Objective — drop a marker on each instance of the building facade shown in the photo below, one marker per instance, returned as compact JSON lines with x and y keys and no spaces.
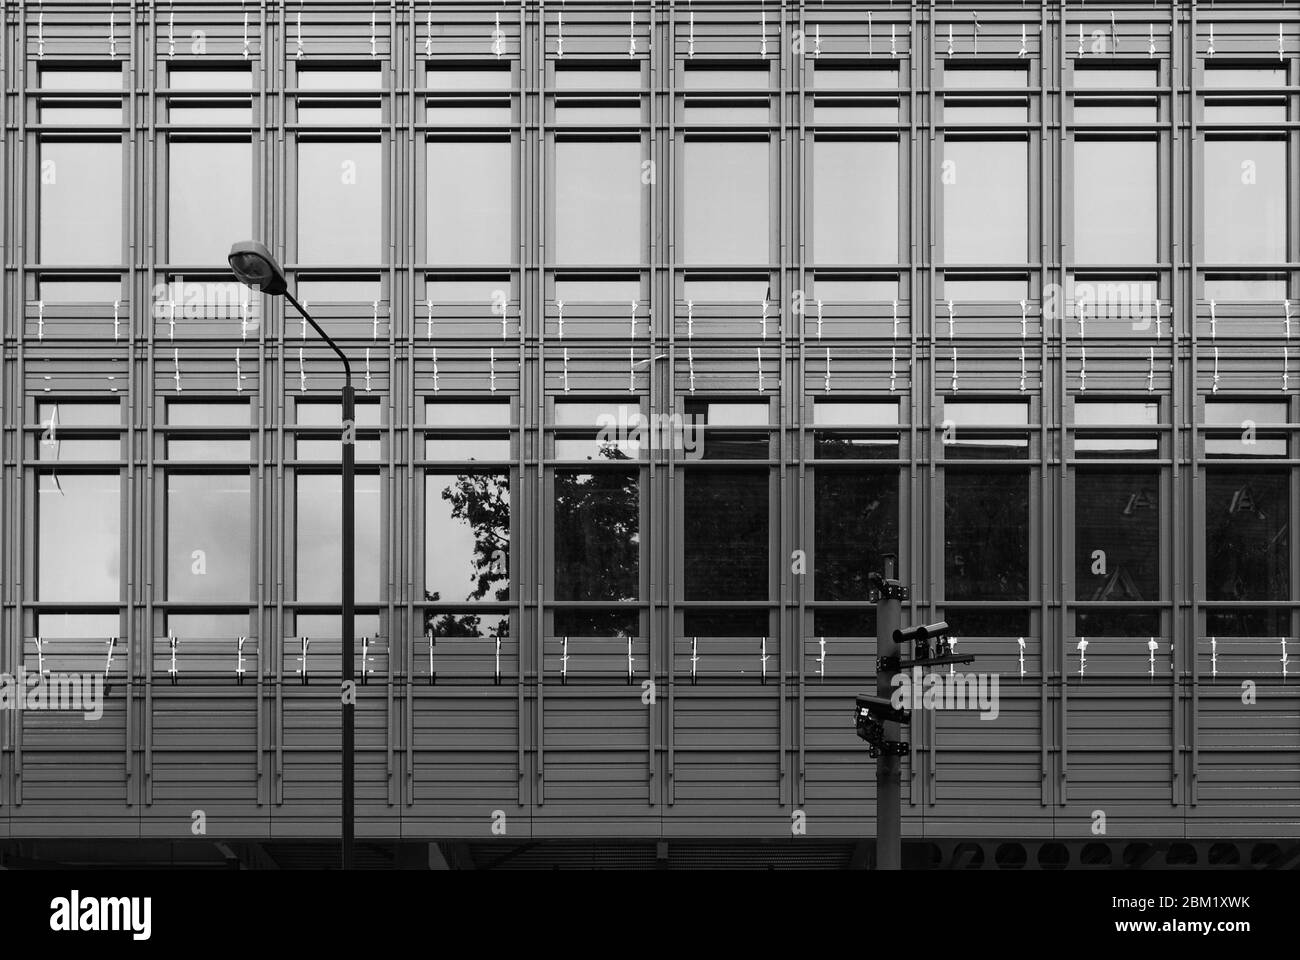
{"x":668,"y":320}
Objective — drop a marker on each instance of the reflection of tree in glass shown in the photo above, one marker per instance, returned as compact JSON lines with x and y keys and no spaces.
{"x":481,"y":500}
{"x":597,"y":535}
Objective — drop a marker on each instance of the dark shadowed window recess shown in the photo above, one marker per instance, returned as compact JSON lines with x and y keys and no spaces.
{"x":467,"y":537}
{"x":980,"y":622}
{"x":1247,"y":623}
{"x":1117,"y":623}
{"x":986,"y":532}
{"x":844,"y":623}
{"x":597,"y":535}
{"x":856,"y":521}
{"x":726,"y":623}
{"x":1117,"y":535}
{"x":1247,"y":550}
{"x":725,"y":540}
{"x":596,"y":623}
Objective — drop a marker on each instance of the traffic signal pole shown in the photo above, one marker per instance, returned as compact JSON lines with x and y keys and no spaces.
{"x":889,"y":766}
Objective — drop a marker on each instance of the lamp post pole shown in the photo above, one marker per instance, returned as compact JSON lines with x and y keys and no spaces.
{"x":347,"y":689}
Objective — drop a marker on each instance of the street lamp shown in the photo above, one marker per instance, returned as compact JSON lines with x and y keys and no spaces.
{"x":253,"y":264}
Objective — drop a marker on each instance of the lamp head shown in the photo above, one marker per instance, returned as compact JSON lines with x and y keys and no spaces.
{"x":253,"y":264}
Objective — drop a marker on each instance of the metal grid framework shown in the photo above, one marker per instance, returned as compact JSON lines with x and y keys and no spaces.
{"x":554,"y":734}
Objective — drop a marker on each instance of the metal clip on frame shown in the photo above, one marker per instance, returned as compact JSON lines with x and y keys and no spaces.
{"x":172,"y":672}
{"x":239,"y":660}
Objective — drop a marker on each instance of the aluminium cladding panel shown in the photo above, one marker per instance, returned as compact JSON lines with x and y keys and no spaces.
{"x":308,"y":761}
{"x":835,"y":777}
{"x":201,"y":755}
{"x":727,"y":728}
{"x":1245,"y":765}
{"x":1118,"y":754}
{"x":463,"y":770}
{"x":594,"y":769}
{"x":72,"y":775}
{"x":985,"y":749}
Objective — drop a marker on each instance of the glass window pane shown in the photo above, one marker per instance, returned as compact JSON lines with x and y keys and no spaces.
{"x":985,"y":413}
{"x":855,"y":413}
{"x":1117,"y":535}
{"x":467,"y":537}
{"x":80,"y":291}
{"x":326,"y":112}
{"x":727,"y":413}
{"x":855,"y":201}
{"x":727,"y":290}
{"x":210,"y":448}
{"x":584,"y":413}
{"x":65,"y":79}
{"x":856,"y":520}
{"x":208,"y":537}
{"x":470,"y":218}
{"x":340,"y":202}
{"x":468,"y":113}
{"x":726,"y":202}
{"x":209,"y":115}
{"x":597,"y":291}
{"x":1248,"y":623}
{"x":208,"y":413}
{"x":1110,"y":113}
{"x":986,"y":535}
{"x":79,"y":537}
{"x":212,"y":626}
{"x":466,"y":448}
{"x":81,"y":202}
{"x":610,"y":78}
{"x":338,"y":291}
{"x":64,"y":448}
{"x":598,"y":192}
{"x":79,"y":625}
{"x":596,"y":623}
{"x":1115,"y":201}
{"x":842,"y":446}
{"x":1247,"y":524}
{"x":726,"y":623}
{"x":1117,"y":412}
{"x":487,"y":290}
{"x":985,"y":290}
{"x":957,"y":111}
{"x":879,"y":78}
{"x":85,"y":413}
{"x":1110,"y":78}
{"x":455,"y":78}
{"x":1261,"y":287}
{"x":189,"y":78}
{"x":1229,"y":111}
{"x":1117,"y":623}
{"x":319,"y":542}
{"x":466,"y":413}
{"x":52,"y":111}
{"x":210,"y":199}
{"x":986,"y":201}
{"x":844,"y":290}
{"x":727,"y":78}
{"x":1245,"y":76}
{"x":1235,"y":413}
{"x":597,"y":535}
{"x":316,"y":413}
{"x":1245,"y":201}
{"x":853,"y":112}
{"x":966,"y":77}
{"x":330,"y":625}
{"x":325,"y":78}
{"x":710,"y":112}
{"x":725,"y":536}
{"x":441,"y":624}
